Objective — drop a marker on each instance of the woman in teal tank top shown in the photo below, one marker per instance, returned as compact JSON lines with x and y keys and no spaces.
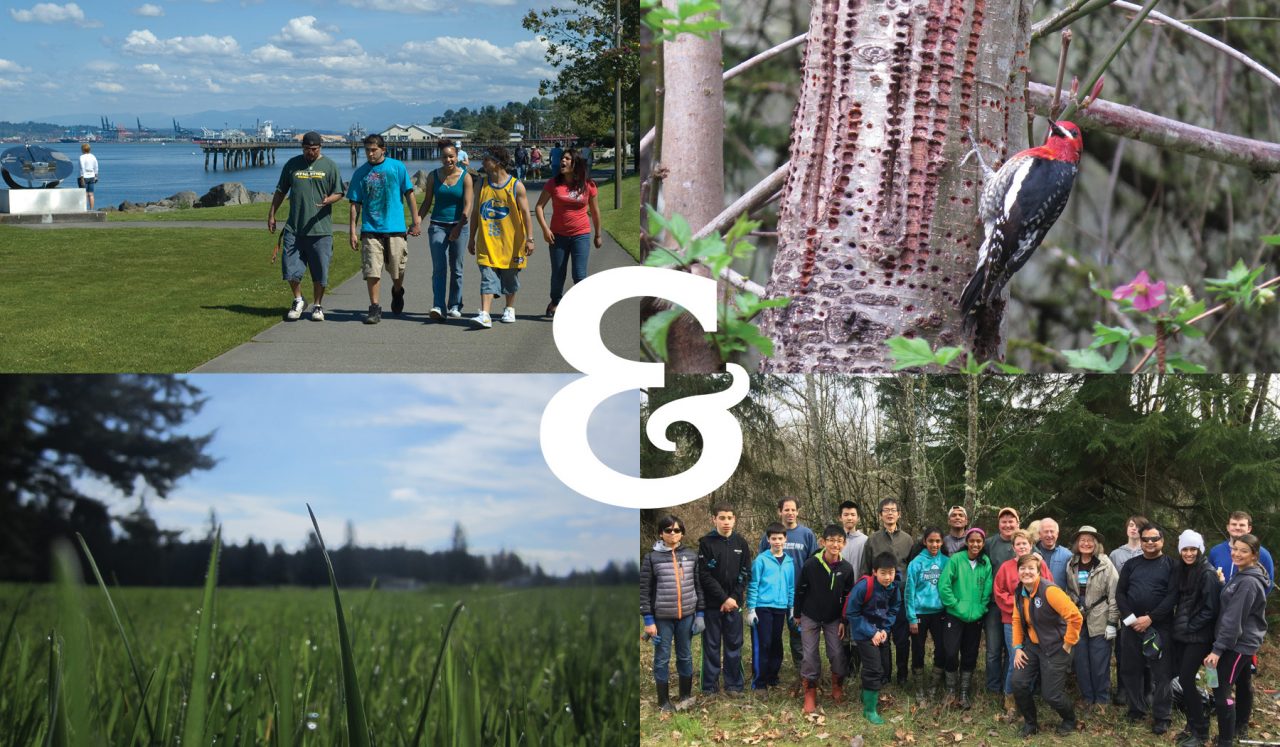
{"x":448,"y":199}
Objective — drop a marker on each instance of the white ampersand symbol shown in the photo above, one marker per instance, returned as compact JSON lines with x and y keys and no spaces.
{"x":564,"y":421}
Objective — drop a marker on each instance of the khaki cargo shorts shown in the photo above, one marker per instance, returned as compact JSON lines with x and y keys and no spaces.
{"x":379,"y":250}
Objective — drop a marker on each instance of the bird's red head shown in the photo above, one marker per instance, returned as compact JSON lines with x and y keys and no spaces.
{"x":1064,"y":141}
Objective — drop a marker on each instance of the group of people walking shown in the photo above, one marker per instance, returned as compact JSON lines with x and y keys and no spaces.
{"x":487,"y":214}
{"x":1046,"y":612}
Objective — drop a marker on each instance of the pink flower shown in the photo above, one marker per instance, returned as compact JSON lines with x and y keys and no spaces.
{"x":1146,"y":294}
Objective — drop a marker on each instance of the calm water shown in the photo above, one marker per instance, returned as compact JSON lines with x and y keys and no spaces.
{"x":143,"y":172}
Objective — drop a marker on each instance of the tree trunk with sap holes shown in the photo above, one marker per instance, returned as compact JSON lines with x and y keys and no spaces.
{"x":878,"y":227}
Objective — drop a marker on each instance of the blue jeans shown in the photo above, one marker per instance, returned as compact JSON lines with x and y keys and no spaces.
{"x":446,"y":259}
{"x":1008,"y":646}
{"x":1093,"y":668}
{"x":681,"y":631}
{"x":564,"y":249}
{"x":997,"y":653}
{"x":723,"y":633}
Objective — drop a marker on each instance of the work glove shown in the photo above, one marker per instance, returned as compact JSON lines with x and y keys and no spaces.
{"x":1111,"y":632}
{"x":699,"y":624}
{"x":751,"y":618}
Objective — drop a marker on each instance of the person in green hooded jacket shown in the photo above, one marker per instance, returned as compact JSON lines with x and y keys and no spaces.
{"x":965,"y":590}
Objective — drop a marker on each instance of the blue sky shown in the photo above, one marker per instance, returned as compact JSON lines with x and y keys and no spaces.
{"x":404,"y":458}
{"x":191,"y":55}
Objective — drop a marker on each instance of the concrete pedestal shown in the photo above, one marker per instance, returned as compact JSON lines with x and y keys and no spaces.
{"x":42,"y":201}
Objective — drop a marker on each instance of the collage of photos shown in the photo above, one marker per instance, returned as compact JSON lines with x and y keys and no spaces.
{"x":1004,"y":277}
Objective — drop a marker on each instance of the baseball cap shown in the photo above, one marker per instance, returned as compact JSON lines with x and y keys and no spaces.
{"x":312,"y":138}
{"x":1009,"y":510}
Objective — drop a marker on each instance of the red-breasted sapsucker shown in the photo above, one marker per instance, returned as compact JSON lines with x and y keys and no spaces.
{"x":1019,"y":205}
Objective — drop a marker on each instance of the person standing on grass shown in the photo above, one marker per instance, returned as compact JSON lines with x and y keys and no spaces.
{"x":575,"y":217}
{"x":448,"y":198}
{"x":871,"y":609}
{"x":855,"y":543}
{"x":313,"y":184}
{"x":958,"y":529}
{"x":1003,"y":591}
{"x":500,"y":236}
{"x":1239,"y":524}
{"x":891,"y":539}
{"x":1242,"y":624}
{"x":771,"y":595}
{"x":999,"y":549}
{"x":821,"y":589}
{"x":1091,"y":584}
{"x":1046,"y":627}
{"x":1119,"y":556}
{"x":1146,"y":594}
{"x":672,"y":606}
{"x":1054,"y":554}
{"x":379,"y":190}
{"x":1194,"y":621}
{"x":965,"y":590}
{"x":800,"y":545}
{"x":924,"y":609}
{"x":88,"y":171}
{"x":724,"y":568}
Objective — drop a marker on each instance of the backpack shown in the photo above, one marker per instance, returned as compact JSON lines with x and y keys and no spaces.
{"x":866,"y":598}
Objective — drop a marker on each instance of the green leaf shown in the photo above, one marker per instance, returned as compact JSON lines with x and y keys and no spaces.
{"x":655,"y":330}
{"x":1104,"y":335}
{"x":1191,"y":331}
{"x":664,"y":257}
{"x":1088,"y":360}
{"x":1146,"y":341}
{"x":1191,"y":312}
{"x":944,"y":356}
{"x":1272,"y":240}
{"x":1006,"y":368}
{"x":910,"y":352}
{"x":1178,"y":363}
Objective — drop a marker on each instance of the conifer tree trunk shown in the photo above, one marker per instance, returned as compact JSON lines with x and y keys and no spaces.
{"x":878,"y":228}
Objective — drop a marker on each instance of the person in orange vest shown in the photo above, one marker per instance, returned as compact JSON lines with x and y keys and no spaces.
{"x":1046,"y":626}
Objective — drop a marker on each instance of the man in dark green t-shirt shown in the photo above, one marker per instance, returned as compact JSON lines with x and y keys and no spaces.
{"x":313,"y":184}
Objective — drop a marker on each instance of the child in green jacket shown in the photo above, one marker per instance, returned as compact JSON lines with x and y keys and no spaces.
{"x":965,"y":590}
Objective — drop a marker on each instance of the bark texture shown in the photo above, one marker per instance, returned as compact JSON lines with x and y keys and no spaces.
{"x":878,"y":228}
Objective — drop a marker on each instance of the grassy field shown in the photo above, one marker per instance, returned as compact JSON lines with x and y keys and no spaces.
{"x":148,"y":300}
{"x":528,"y":667}
{"x":778,"y":719}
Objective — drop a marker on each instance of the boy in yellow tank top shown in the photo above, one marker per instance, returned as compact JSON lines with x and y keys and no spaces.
{"x":500,"y":236}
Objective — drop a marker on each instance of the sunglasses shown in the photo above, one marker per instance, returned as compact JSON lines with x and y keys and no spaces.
{"x":673,"y":530}
{"x":1152,"y":539}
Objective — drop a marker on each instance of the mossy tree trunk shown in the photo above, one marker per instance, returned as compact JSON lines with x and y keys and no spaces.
{"x":878,"y":229}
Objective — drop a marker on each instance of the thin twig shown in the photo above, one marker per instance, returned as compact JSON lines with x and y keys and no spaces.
{"x":1065,"y":17}
{"x":1111,"y":55}
{"x":1225,"y":305}
{"x":1169,"y":134}
{"x":768,"y":54}
{"x":1062,"y":70}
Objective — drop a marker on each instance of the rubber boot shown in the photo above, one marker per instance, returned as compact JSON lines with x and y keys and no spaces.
{"x":810,"y":696}
{"x":966,"y":684}
{"x":951,"y":678}
{"x":936,"y":686}
{"x":664,"y":697}
{"x":918,"y":676}
{"x":871,"y":705}
{"x":686,"y":693}
{"x":837,"y":689}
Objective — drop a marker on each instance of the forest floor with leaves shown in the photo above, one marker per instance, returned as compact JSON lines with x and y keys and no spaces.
{"x":777,"y":719}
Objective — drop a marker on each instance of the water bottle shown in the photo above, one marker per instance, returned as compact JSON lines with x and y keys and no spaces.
{"x":1211,"y":677}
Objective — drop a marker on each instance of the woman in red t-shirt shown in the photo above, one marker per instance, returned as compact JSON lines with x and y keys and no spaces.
{"x":574,"y":215}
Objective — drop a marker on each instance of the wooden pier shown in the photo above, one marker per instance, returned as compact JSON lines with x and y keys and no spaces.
{"x":241,"y":155}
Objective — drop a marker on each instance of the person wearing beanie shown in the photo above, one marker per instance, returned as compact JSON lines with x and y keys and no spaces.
{"x":1091,"y":584}
{"x":965,"y":590}
{"x":1194,"y":619}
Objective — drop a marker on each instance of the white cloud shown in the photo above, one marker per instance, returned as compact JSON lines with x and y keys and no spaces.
{"x":9,"y":66}
{"x":461,"y":51}
{"x":8,"y":84}
{"x":271,"y":54}
{"x":302,"y":30}
{"x":416,"y":6}
{"x":145,"y":42}
{"x":52,"y":13}
{"x":149,"y":68}
{"x":106,"y":87}
{"x":149,"y":10}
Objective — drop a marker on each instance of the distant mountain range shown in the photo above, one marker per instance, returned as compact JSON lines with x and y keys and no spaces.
{"x":373,"y":117}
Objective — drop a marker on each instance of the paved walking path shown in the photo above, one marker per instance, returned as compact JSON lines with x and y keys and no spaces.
{"x":411,"y":343}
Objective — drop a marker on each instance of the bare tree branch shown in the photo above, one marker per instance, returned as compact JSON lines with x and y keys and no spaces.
{"x":1180,"y":137}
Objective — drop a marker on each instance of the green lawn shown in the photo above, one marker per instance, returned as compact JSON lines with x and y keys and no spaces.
{"x":623,"y":225}
{"x":146,"y":300}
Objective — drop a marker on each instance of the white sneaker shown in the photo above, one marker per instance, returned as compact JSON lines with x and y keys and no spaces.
{"x":317,"y":313}
{"x":482,"y":319}
{"x":435,"y":313}
{"x":508,"y":315}
{"x":295,"y":311}
{"x":455,"y":312}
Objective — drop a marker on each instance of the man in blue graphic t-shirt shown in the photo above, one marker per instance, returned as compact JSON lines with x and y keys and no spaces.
{"x":380,"y":188}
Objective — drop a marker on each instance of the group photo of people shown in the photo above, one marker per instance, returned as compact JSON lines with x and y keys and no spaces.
{"x":842,"y":615}
{"x":482,"y":218}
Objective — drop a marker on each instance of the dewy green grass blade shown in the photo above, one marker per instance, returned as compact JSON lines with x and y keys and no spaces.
{"x":57,"y":734}
{"x":357,"y":728}
{"x":13,"y":620}
{"x":193,"y":731}
{"x":458,"y":607}
{"x":128,"y":647}
{"x":76,"y":688}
